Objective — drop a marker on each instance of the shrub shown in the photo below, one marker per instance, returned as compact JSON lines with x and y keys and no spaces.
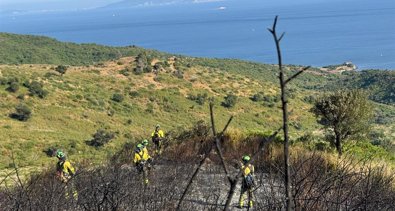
{"x":309,"y":99}
{"x":158,"y":66}
{"x":13,"y":87}
{"x":179,"y":74}
{"x":100,"y":138}
{"x":378,"y":138}
{"x":147,"y":69}
{"x":117,"y":97}
{"x":134,"y":94}
{"x":50,"y":151}
{"x":143,"y":64}
{"x":199,"y":98}
{"x":36,"y":89}
{"x":230,"y":101}
{"x":61,"y":69}
{"x":257,"y":97}
{"x":322,"y":145}
{"x":125,"y":72}
{"x":22,"y":113}
{"x":138,"y":70}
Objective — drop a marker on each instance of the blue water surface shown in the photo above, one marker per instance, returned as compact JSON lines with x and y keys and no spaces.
{"x":316,"y":34}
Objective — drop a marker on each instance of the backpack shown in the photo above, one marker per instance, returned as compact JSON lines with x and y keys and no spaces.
{"x":249,"y":181}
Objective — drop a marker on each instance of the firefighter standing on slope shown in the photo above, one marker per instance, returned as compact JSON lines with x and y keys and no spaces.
{"x":157,"y":137}
{"x":65,"y":171}
{"x":247,"y":182}
{"x":145,"y":150}
{"x":141,"y":160}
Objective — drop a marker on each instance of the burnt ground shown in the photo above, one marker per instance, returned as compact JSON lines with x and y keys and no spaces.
{"x":210,"y":189}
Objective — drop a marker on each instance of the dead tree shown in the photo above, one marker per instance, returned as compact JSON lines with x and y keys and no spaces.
{"x":216,"y":143}
{"x":218,"y":148}
{"x":284,"y":102}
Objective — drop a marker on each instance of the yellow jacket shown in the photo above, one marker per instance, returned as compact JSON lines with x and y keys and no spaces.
{"x":249,"y":169}
{"x":160,"y":134}
{"x":141,"y":156}
{"x":65,"y":170}
{"x":145,"y":151}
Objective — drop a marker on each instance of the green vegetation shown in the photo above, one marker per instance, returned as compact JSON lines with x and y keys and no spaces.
{"x":28,"y":49}
{"x":346,"y":113}
{"x":22,"y":113}
{"x":100,"y":138}
{"x":117,"y":97}
{"x":36,"y":89}
{"x":61,"y":69}
{"x":230,"y":101}
{"x":101,"y":91}
{"x":380,"y":84}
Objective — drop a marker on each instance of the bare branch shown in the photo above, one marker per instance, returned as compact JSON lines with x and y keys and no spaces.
{"x":216,"y":142}
{"x":274,"y":24}
{"x":287,"y":182}
{"x":296,"y":74}
{"x":281,"y":37}
{"x":212,"y":120}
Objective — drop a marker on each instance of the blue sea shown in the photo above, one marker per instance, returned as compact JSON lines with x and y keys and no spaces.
{"x":316,"y":34}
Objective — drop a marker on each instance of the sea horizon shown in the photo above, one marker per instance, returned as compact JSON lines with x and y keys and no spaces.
{"x":317,"y":34}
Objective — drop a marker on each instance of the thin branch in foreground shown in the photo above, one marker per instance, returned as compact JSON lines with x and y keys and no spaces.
{"x":216,"y":143}
{"x":296,"y":74}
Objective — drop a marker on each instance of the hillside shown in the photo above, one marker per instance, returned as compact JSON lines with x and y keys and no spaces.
{"x":28,"y":49}
{"x":380,"y":84}
{"x":122,"y":92}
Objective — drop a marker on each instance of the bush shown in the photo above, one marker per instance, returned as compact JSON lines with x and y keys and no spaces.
{"x":22,"y":113}
{"x":199,"y":98}
{"x":61,"y":69}
{"x":138,"y":70}
{"x":134,"y":94}
{"x":378,"y":138}
{"x":257,"y":97}
{"x":117,"y":97}
{"x":158,"y":66}
{"x":14,"y":87}
{"x":50,"y":152}
{"x":125,"y":72}
{"x":36,"y":89}
{"x":100,"y":138}
{"x":230,"y":101}
{"x":147,"y":69}
{"x":322,"y":145}
{"x":179,"y":74}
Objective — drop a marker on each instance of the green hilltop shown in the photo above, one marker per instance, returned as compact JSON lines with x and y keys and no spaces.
{"x":128,"y":90}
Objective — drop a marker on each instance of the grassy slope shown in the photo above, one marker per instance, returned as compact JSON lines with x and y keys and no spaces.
{"x":79,"y":102}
